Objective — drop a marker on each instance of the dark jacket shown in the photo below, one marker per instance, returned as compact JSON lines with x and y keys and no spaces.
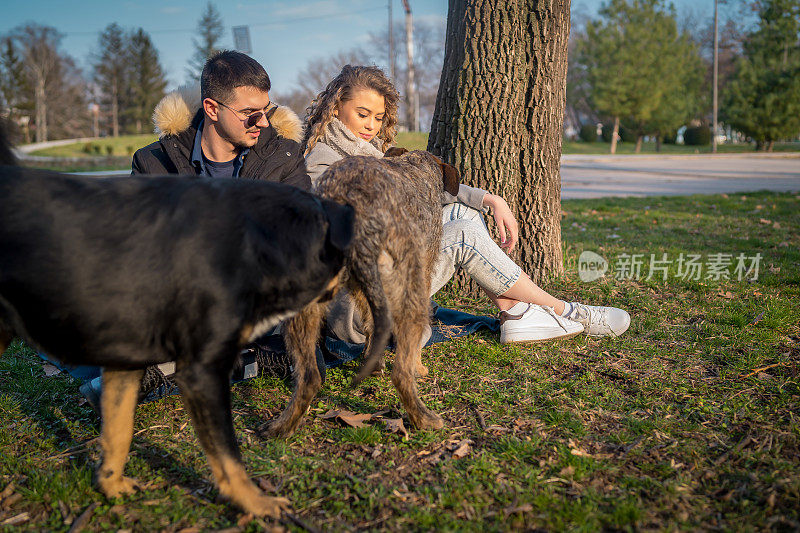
{"x":276,"y":157}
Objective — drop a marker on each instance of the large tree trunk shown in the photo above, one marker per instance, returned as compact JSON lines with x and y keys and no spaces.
{"x":639,"y":142}
{"x":615,"y":135}
{"x":114,"y":111}
{"x":500,"y":110}
{"x":40,"y":102}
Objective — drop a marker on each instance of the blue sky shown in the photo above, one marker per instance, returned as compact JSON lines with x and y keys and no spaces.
{"x":285,"y":34}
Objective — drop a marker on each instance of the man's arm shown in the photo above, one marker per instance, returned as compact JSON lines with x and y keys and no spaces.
{"x":297,"y":174}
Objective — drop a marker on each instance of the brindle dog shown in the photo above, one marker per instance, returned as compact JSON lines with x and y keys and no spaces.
{"x":397,"y":238}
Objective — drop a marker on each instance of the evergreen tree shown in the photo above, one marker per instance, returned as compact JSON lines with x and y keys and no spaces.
{"x":146,"y":77}
{"x":763,"y":98}
{"x":14,"y":88}
{"x":210,"y":30}
{"x":639,"y":68}
{"x":111,"y":73}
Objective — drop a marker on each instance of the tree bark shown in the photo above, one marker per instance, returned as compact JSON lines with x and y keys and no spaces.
{"x":639,"y":141}
{"x":614,"y":135}
{"x":500,"y":110}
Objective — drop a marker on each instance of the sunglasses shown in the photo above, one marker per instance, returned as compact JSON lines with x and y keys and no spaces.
{"x":253,"y":118}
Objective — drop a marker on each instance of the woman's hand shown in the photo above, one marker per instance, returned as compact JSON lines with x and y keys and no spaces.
{"x":506,"y":223}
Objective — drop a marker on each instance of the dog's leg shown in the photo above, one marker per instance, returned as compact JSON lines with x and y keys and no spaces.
{"x":302,"y":333}
{"x":409,"y":327}
{"x":206,"y":394}
{"x":118,"y":405}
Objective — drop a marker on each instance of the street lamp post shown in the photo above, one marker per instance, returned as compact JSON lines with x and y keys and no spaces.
{"x":716,"y":70}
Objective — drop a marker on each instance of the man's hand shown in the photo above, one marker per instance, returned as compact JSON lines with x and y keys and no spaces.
{"x":506,"y":223}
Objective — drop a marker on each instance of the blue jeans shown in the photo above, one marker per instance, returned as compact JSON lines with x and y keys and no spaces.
{"x":466,"y":244}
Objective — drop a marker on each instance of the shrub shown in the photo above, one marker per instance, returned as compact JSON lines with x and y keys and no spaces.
{"x":96,"y":148}
{"x":697,"y":136}
{"x":625,"y":135}
{"x":109,"y":150}
{"x":671,"y":137}
{"x":87,"y":148}
{"x":588,"y":133}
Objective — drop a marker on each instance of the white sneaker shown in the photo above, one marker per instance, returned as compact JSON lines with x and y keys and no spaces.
{"x":598,"y":320}
{"x":525,"y":323}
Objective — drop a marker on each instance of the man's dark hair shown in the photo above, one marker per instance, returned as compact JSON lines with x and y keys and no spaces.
{"x":227,"y":69}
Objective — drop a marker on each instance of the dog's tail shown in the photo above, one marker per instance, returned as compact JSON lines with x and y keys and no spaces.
{"x":6,"y":154}
{"x":368,"y":277}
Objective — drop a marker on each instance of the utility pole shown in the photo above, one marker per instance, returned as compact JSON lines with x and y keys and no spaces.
{"x":716,"y":73}
{"x":391,"y":42}
{"x":412,"y":100}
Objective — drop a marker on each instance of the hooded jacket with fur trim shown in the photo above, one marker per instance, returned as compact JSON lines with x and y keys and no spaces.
{"x":275,"y":157}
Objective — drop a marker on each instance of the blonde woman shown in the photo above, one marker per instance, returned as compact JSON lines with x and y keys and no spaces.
{"x":356,"y":114}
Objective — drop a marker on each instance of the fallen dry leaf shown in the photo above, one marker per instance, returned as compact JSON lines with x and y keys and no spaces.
{"x":349,"y":418}
{"x":765,"y":221}
{"x":50,"y":370}
{"x":727,"y":294}
{"x":580,"y":453}
{"x":15,"y":520}
{"x":462,"y":449}
{"x":395,"y":425}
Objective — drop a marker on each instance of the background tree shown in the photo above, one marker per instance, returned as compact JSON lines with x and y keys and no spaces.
{"x":500,"y":110}
{"x":317,"y":73}
{"x":428,"y":45}
{"x":111,"y":74}
{"x":763,"y":98}
{"x":146,"y":78}
{"x":635,"y":62}
{"x":51,"y":81}
{"x":209,"y":30}
{"x":14,"y":91}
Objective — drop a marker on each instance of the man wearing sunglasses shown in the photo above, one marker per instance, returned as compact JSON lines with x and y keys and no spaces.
{"x":237,"y":132}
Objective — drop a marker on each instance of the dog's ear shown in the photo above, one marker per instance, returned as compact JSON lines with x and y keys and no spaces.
{"x":395,"y":151}
{"x":341,"y":219}
{"x":451,"y":178}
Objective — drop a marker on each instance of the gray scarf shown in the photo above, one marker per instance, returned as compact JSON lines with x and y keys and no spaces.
{"x":346,"y":143}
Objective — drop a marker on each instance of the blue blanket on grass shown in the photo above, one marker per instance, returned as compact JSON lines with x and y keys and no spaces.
{"x":447,"y":324}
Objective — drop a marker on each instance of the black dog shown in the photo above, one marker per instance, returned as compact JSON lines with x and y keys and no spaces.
{"x":124,"y":273}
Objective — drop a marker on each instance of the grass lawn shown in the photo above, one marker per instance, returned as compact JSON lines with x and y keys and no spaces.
{"x":689,"y":421}
{"x":124,"y":145}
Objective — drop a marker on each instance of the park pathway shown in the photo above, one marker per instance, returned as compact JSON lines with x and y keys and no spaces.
{"x":596,"y":176}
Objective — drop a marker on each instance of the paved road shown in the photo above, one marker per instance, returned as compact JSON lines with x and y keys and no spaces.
{"x":598,"y":176}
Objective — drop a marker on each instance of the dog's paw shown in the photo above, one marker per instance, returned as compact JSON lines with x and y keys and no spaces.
{"x":117,"y":487}
{"x":266,"y":506}
{"x":421,"y":370}
{"x":276,"y":429}
{"x":430,"y":420}
{"x":379,"y":369}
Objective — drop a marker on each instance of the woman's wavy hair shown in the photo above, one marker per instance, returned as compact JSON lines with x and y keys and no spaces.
{"x":320,"y":113}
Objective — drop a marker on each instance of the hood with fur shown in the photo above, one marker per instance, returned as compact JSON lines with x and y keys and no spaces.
{"x":175,"y":111}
